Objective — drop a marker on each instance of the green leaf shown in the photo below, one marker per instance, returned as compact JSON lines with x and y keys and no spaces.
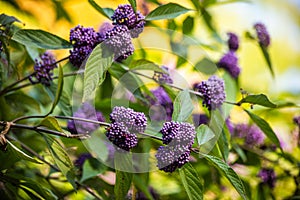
{"x":183,"y":106}
{"x":267,"y":58}
{"x":61,"y":158}
{"x":51,"y":123}
{"x":133,"y":4}
{"x":142,"y":185}
{"x":259,"y":99}
{"x":265,"y":127}
{"x":106,"y":12}
{"x":206,"y":66}
{"x":188,"y":25}
{"x":6,"y":19}
{"x":191,"y":182}
{"x":91,"y":168}
{"x":167,"y":11}
{"x":95,"y":70}
{"x":209,"y":23}
{"x":59,"y":89}
{"x":27,"y":101}
{"x":204,"y":134}
{"x":229,"y":173}
{"x":19,"y":153}
{"x":123,"y":163}
{"x":144,"y":64}
{"x":40,"y":39}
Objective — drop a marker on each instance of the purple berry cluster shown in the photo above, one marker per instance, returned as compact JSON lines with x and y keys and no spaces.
{"x":233,"y":41}
{"x":268,"y":177}
{"x":43,"y":68}
{"x":251,"y":134}
{"x":163,"y":78}
{"x":213,"y":92}
{"x":262,"y":34}
{"x":164,"y":103}
{"x":125,"y":124}
{"x":229,"y":62}
{"x":118,"y":41}
{"x":84,"y":41}
{"x":86,"y":111}
{"x":179,"y":138}
{"x":125,"y":15}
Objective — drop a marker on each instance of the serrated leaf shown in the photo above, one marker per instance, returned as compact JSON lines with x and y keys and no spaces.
{"x":40,"y":39}
{"x":59,"y":89}
{"x":204,"y":134}
{"x":265,"y":127}
{"x":61,"y":159}
{"x":144,"y":64}
{"x":167,"y":11}
{"x":259,"y":99}
{"x":267,"y":58}
{"x":6,"y":19}
{"x":106,"y":12}
{"x":183,"y":106}
{"x":95,"y":70}
{"x":51,"y":123}
{"x":91,"y":168}
{"x":19,"y":153}
{"x":191,"y":182}
{"x":123,"y":164}
{"x":133,"y":4}
{"x":229,"y":173}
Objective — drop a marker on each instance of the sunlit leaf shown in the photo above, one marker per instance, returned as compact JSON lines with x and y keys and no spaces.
{"x":51,"y":123}
{"x":106,"y":12}
{"x":18,"y":153}
{"x":259,"y":99}
{"x":183,"y":106}
{"x":167,"y":11}
{"x":133,"y":4}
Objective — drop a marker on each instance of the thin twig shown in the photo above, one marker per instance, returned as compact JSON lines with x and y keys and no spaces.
{"x":84,"y":120}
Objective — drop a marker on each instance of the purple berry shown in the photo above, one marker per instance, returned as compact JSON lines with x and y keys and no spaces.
{"x":84,"y":40}
{"x":213,"y":92}
{"x":106,"y":26}
{"x":125,"y":15}
{"x":251,"y":134}
{"x":233,"y":41}
{"x":169,"y":131}
{"x":44,"y":69}
{"x":262,"y":34}
{"x":164,"y":103}
{"x":268,"y":177}
{"x":135,"y":122}
{"x":86,"y":111}
{"x":118,"y":41}
{"x":120,"y":136}
{"x":163,"y":78}
{"x":229,"y":62}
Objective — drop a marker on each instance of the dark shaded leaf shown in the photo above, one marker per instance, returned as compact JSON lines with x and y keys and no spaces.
{"x":6,"y":19}
{"x":188,"y":25}
{"x":40,"y":39}
{"x":267,"y":58}
{"x":167,"y":11}
{"x":59,"y":89}
{"x":191,"y":182}
{"x":259,"y":99}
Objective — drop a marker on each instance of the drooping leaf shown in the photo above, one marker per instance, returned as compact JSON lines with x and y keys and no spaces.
{"x":229,"y":173}
{"x":183,"y":106}
{"x":133,"y":4}
{"x":144,"y":64}
{"x":259,"y":99}
{"x":106,"y":12}
{"x":6,"y":19}
{"x":265,"y":127}
{"x":123,"y":166}
{"x":59,"y":89}
{"x":188,"y":25}
{"x":167,"y":11}
{"x":51,"y":123}
{"x":61,"y":158}
{"x":95,"y":70}
{"x":204,"y":134}
{"x":267,"y":58}
{"x":192,"y":183}
{"x":40,"y":39}
{"x":18,"y":153}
